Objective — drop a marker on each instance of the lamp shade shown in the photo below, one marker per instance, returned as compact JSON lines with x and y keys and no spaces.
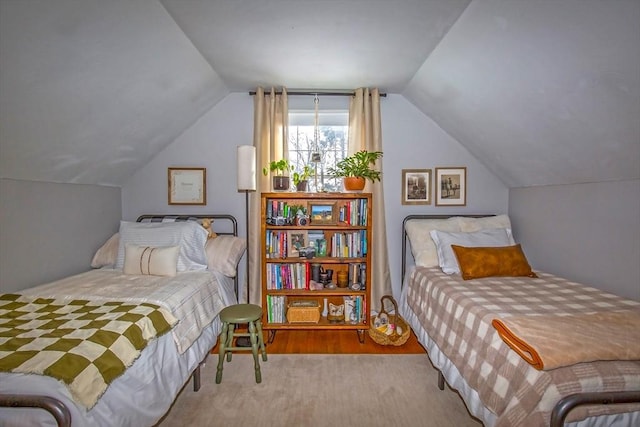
{"x":246,"y":168}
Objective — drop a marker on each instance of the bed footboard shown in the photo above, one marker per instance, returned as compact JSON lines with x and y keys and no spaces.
{"x":55,"y":407}
{"x":567,"y":403}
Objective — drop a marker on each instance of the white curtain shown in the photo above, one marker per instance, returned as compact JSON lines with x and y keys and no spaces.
{"x":270,"y":136}
{"x":365,"y":133}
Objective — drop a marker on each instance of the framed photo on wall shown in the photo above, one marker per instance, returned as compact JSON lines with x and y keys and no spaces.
{"x":451,"y":186}
{"x":187,"y":186}
{"x":416,"y":186}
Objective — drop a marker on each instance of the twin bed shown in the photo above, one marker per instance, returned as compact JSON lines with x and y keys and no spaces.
{"x":498,"y":332}
{"x":172,"y":325}
{"x":522,"y":347}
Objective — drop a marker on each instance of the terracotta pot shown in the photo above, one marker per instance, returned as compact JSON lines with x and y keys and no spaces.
{"x":353,"y":183}
{"x":281,"y":183}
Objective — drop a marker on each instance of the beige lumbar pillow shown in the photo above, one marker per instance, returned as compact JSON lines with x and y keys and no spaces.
{"x":149,"y":260}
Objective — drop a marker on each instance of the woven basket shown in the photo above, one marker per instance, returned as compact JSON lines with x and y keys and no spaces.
{"x":394,"y":338}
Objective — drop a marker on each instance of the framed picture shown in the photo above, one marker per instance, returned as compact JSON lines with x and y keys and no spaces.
{"x":416,"y":186}
{"x":296,"y":239}
{"x":187,"y":186}
{"x":322,"y":213}
{"x":451,"y":186}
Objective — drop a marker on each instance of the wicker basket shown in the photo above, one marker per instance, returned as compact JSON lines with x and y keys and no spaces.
{"x":303,"y":312}
{"x":394,"y":338}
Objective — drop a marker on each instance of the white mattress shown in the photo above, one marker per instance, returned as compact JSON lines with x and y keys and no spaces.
{"x":146,"y":391}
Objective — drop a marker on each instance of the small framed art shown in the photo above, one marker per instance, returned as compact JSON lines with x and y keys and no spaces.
{"x":296,"y":239}
{"x":416,"y":186}
{"x":451,"y":186}
{"x":322,"y":213}
{"x":187,"y":186}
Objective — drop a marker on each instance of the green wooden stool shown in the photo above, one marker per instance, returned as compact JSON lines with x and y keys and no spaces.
{"x":230,"y":317}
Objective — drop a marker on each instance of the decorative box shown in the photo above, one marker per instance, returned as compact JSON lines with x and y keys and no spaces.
{"x":303,"y":311}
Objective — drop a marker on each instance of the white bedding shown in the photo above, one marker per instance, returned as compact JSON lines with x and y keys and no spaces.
{"x":145,"y":392}
{"x":193,"y":297}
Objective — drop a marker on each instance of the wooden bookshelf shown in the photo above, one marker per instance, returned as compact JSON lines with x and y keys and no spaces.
{"x":336,"y":228}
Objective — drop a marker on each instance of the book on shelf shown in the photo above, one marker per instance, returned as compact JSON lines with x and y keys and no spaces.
{"x":353,"y":309}
{"x":288,"y":275}
{"x":276,"y":308}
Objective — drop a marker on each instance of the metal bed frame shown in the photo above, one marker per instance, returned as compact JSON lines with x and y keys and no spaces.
{"x":565,"y":405}
{"x":57,"y":408}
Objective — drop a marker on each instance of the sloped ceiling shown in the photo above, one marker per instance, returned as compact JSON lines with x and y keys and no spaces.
{"x":542,"y":92}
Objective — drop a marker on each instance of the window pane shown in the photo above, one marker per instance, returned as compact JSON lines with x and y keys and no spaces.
{"x":331,"y":145}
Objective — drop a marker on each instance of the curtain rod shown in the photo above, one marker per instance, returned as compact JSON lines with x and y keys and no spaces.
{"x":319,"y":93}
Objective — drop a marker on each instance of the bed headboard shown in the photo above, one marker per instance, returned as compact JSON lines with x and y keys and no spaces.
{"x":226,"y":226}
{"x":424,"y":216}
{"x":223,"y":224}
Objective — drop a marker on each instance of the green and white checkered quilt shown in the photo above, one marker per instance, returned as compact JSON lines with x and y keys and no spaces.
{"x":84,"y":344}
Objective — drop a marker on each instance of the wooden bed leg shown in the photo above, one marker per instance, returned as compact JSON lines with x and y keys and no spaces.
{"x":440,"y":380}
{"x":196,"y":378}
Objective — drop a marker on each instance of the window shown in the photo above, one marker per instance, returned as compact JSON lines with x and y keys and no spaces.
{"x":333,"y":131}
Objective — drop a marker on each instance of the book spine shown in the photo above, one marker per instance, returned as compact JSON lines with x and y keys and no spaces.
{"x":307,"y":275}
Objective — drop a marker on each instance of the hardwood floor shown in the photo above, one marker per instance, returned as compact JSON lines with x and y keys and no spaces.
{"x":334,"y":342}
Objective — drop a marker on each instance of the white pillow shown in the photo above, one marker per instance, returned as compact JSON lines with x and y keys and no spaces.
{"x":224,"y":253}
{"x":422,"y":247}
{"x":148,"y":260}
{"x":469,"y":225}
{"x":483,"y":238}
{"x":188,"y":235}
{"x":107,"y":254}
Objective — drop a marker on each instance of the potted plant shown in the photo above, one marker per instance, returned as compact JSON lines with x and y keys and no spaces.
{"x":301,"y":179}
{"x":280,"y":179}
{"x":356,"y":168}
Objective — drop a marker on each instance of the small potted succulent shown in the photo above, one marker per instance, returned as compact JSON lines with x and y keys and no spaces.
{"x":301,"y":179}
{"x":356,"y":168}
{"x":280,"y":170}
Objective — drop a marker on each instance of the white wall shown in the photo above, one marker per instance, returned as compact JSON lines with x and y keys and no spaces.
{"x":49,"y":230}
{"x":210,"y":143}
{"x":414,"y":141}
{"x":589,"y":233}
{"x":411,"y":140}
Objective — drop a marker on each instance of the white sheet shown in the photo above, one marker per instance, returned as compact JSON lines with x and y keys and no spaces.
{"x":146,"y":391}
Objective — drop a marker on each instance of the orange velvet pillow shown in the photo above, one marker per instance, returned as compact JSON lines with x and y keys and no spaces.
{"x":492,"y":261}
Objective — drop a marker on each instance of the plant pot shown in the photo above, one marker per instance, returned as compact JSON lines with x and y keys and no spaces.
{"x":302,"y":185}
{"x":353,"y":183}
{"x":281,"y":183}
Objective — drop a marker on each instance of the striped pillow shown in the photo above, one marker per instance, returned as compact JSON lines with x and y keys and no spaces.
{"x":148,"y":260}
{"x":188,"y":235}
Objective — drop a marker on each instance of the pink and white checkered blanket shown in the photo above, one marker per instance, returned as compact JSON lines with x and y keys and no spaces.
{"x":457,"y":315}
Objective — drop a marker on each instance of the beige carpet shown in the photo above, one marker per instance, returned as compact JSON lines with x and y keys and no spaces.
{"x":321,"y":390}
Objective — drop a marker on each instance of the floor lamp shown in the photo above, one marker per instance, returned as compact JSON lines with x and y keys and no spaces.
{"x":246,"y":170}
